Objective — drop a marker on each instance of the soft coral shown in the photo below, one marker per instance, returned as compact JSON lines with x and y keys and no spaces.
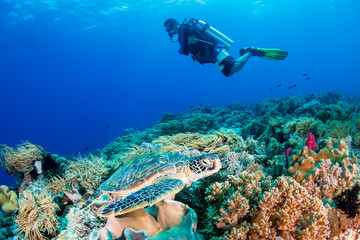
{"x":310,"y":142}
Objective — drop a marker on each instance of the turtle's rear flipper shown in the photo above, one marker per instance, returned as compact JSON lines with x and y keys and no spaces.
{"x":144,"y":197}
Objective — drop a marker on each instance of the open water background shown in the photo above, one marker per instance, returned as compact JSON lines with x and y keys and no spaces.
{"x":76,"y":74}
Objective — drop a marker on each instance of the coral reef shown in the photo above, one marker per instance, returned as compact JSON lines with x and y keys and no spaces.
{"x":278,"y":181}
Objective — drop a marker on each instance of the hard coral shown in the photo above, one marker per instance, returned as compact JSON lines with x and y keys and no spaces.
{"x":8,"y":200}
{"x":232,"y":201}
{"x":290,"y":212}
{"x":196,"y":122}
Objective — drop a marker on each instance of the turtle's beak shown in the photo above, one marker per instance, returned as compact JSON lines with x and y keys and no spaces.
{"x":213,"y":164}
{"x":216,"y":166}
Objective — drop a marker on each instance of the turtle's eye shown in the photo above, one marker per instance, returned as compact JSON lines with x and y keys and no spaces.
{"x":206,"y":162}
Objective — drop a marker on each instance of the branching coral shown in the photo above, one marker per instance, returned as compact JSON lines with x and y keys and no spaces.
{"x":230,"y":201}
{"x":196,"y":122}
{"x":251,"y":206}
{"x":290,"y":212}
{"x":20,"y":159}
{"x":336,"y":129}
{"x":37,"y":215}
{"x":329,"y":181}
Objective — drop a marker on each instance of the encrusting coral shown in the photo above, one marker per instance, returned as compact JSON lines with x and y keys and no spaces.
{"x":8,"y":200}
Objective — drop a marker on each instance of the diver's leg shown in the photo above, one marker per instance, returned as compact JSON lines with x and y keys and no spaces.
{"x":240,"y":62}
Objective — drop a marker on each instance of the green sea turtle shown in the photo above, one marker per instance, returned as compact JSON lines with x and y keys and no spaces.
{"x":152,"y":177}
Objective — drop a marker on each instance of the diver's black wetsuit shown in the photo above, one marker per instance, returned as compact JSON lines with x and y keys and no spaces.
{"x":203,"y":52}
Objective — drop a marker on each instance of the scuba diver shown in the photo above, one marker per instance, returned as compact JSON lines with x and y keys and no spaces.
{"x":207,"y":45}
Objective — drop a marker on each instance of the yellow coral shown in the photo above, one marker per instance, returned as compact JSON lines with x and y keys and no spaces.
{"x":8,"y":200}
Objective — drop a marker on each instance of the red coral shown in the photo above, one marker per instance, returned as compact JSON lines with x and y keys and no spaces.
{"x":310,"y":142}
{"x":287,"y":152}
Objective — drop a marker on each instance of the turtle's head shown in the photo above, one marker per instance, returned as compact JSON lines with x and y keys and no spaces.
{"x":202,"y":166}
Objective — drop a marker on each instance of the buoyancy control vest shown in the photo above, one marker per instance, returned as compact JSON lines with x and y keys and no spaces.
{"x":206,"y":40}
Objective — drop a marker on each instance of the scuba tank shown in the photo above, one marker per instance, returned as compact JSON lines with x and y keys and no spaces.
{"x":211,"y":32}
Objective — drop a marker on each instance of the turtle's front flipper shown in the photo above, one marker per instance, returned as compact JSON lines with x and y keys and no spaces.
{"x":144,"y":197}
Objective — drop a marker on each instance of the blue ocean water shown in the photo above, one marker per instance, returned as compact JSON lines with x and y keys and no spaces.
{"x":76,"y":74}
